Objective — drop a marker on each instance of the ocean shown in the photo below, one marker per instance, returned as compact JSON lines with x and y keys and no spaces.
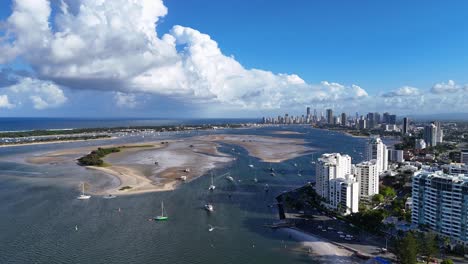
{"x":40,"y":211}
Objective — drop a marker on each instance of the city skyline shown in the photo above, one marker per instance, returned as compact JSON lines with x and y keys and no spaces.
{"x":179,"y":59}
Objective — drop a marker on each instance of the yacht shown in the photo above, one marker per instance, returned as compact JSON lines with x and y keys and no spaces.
{"x":230,"y":178}
{"x":212,"y":186}
{"x":161,"y":217}
{"x":209,"y":207}
{"x":183,"y":178}
{"x":83,"y":196}
{"x":272,"y":174}
{"x":251,"y":165}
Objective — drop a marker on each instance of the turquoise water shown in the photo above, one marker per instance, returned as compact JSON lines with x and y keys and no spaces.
{"x":39,"y":210}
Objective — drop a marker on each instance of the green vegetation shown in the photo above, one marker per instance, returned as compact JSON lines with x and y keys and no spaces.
{"x":370,"y":220}
{"x":125,"y":188}
{"x":428,"y":246}
{"x":447,"y":261}
{"x":378,"y":199}
{"x":95,"y":157}
{"x":407,"y":249}
{"x":387,"y":192}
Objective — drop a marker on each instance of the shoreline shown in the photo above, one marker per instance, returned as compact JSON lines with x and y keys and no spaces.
{"x":54,"y":142}
{"x":322,"y":249}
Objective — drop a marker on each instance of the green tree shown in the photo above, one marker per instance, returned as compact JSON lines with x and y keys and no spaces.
{"x":407,"y":249}
{"x":378,"y":198}
{"x":428,"y":246}
{"x":447,"y":261}
{"x":387,"y":192}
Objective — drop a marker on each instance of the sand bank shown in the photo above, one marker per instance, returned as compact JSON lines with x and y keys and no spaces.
{"x":286,"y":133}
{"x":53,"y":142}
{"x":322,"y":250}
{"x":268,"y":149}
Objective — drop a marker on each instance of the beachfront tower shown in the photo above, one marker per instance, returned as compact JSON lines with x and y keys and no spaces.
{"x":368,"y":178}
{"x":376,"y":149}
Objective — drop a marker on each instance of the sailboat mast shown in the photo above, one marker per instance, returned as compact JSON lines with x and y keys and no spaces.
{"x":162,"y":208}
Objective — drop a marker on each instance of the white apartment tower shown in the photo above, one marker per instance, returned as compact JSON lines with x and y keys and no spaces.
{"x":344,"y":195}
{"x":330,"y":166}
{"x":376,"y":149}
{"x":368,"y":178}
{"x":440,"y":202}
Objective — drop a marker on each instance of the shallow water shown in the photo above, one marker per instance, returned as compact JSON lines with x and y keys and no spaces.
{"x":39,"y":210}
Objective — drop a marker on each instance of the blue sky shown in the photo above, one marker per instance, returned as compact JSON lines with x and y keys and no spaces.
{"x":380,"y":46}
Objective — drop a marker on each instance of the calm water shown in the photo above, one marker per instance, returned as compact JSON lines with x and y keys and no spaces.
{"x":39,"y":211}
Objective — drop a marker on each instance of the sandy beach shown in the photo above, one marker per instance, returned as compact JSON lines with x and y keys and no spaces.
{"x":286,"y":133}
{"x":322,"y":250}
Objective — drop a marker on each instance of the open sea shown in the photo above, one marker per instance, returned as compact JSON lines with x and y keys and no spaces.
{"x":39,"y":209}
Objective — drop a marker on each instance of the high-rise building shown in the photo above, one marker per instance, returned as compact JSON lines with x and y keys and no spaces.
{"x":430,"y":135}
{"x":343,"y":119}
{"x":377,"y":120}
{"x":405,"y":126}
{"x":330,"y":166}
{"x":308,"y":111}
{"x":344,"y":195}
{"x":439,"y":132}
{"x":330,"y":116}
{"x":368,"y":178}
{"x":440,"y":203}
{"x":362,"y":124}
{"x":386,"y":118}
{"x":395,"y":155}
{"x":370,"y":120}
{"x":392,"y":119}
{"x":376,"y":149}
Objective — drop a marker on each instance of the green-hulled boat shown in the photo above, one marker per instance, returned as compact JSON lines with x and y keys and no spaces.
{"x":161,"y":217}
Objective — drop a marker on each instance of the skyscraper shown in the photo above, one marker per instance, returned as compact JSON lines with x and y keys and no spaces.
{"x":376,"y":149}
{"x":405,"y":125}
{"x":439,"y":132}
{"x":370,"y":120}
{"x":343,"y":119}
{"x":308,"y":111}
{"x":330,"y":116}
{"x":430,"y":135}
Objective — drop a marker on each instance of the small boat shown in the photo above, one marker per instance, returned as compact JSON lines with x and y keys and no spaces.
{"x":299,"y":174}
{"x":183,"y":178}
{"x":251,"y":165}
{"x":255,"y":179}
{"x":229,"y":178}
{"x":212,"y":186}
{"x":76,"y":228}
{"x":266,"y":188}
{"x":161,"y":217}
{"x":109,"y":196}
{"x":210,"y":228}
{"x":209,"y":207}
{"x":272,"y":174}
{"x":83,"y":196}
{"x":295,"y":164}
{"x":187,"y":170}
{"x":156,"y":163}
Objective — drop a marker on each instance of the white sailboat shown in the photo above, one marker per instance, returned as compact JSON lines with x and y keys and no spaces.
{"x":83,"y":196}
{"x":212,"y":186}
{"x":209,"y":207}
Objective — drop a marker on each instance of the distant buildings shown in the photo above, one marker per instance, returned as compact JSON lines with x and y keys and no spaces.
{"x":430,"y":135}
{"x":440,"y":203}
{"x":370,"y":121}
{"x":330,"y":119}
{"x":368,"y":178}
{"x":376,"y":149}
{"x":396,"y":155}
{"x":405,"y":126}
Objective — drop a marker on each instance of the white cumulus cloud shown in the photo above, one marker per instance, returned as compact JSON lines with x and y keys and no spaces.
{"x":113,"y":45}
{"x":403,"y":91}
{"x":42,"y":94}
{"x":125,"y":100}
{"x":5,"y":102}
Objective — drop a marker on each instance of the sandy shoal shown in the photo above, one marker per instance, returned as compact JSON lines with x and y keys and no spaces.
{"x":322,"y":250}
{"x":267,"y":149}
